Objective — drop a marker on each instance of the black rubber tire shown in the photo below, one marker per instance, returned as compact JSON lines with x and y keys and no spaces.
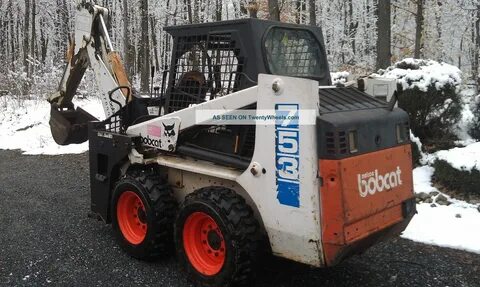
{"x":240,"y":230}
{"x":160,"y":209}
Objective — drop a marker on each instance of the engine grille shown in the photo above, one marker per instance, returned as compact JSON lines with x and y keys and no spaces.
{"x":336,"y":143}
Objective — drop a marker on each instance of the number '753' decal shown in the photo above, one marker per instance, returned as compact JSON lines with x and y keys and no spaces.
{"x":287,"y":151}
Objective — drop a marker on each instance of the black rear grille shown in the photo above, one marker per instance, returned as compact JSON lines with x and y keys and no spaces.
{"x":336,"y":143}
{"x":330,"y":142}
{"x":342,"y":143}
{"x":347,"y":99}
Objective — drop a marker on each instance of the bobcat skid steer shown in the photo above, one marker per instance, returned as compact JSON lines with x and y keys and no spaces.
{"x":330,"y":176}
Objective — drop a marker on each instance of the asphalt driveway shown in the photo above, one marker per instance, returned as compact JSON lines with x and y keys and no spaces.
{"x":47,"y":239}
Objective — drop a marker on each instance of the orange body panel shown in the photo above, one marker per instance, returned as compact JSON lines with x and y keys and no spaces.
{"x":361,"y":196}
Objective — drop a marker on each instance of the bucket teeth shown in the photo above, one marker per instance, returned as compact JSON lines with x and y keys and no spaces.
{"x":69,"y":126}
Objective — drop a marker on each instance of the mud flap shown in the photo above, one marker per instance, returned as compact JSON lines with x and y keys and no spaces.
{"x":69,"y":126}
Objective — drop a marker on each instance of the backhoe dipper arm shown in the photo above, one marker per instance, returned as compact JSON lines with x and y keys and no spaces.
{"x":93,"y":48}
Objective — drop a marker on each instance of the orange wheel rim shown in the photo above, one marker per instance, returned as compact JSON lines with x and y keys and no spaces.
{"x":204,"y":243}
{"x":131,"y":217}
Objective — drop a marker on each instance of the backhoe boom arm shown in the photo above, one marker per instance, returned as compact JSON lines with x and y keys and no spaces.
{"x":91,"y":47}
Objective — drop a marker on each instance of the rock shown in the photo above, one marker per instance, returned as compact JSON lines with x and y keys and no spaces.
{"x":434,"y":193}
{"x":422,"y":196}
{"x":442,"y":197}
{"x":458,"y":215}
{"x":478,"y":208}
{"x":418,"y":200}
{"x":442,"y":200}
{"x":446,"y":203}
{"x":429,"y":200}
{"x":433,"y":205}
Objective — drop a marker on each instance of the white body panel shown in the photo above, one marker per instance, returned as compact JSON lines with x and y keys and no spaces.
{"x":382,"y":88}
{"x":293,"y":229}
{"x":281,"y":183}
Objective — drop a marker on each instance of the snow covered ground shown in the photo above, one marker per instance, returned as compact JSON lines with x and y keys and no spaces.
{"x":455,"y":226}
{"x":24,"y":126}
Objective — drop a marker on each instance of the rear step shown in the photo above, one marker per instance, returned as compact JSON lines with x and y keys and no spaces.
{"x":69,"y":126}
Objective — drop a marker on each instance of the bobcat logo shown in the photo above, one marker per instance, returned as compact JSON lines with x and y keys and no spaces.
{"x":169,"y":130}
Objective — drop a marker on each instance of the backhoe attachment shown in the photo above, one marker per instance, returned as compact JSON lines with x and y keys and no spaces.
{"x":69,"y":126}
{"x":90,"y":47}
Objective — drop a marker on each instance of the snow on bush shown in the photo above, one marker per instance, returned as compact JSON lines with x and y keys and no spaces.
{"x":339,"y":77}
{"x":417,"y":152}
{"x":429,"y":92}
{"x":463,"y":158}
{"x":474,"y":123}
{"x":423,"y":74}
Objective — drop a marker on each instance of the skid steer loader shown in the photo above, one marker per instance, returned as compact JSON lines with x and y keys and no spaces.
{"x":327,"y":177}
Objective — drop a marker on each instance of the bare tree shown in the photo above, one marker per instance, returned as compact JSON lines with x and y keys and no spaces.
{"x":274,"y":10}
{"x":313,"y":12}
{"x":127,"y":47}
{"x":153,"y":24}
{"x":144,"y":54}
{"x":26,"y":38}
{"x":419,"y":30}
{"x":252,"y":8}
{"x":384,"y":53}
{"x":218,"y":10}
{"x":352,"y":27}
{"x":34,"y":33}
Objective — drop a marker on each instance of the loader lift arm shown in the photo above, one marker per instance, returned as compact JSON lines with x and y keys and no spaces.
{"x":91,"y":47}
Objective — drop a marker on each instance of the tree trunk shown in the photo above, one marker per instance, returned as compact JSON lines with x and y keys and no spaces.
{"x":218,"y":10}
{"x":313,"y":13}
{"x":384,"y":53}
{"x":155,"y":43}
{"x":476,"y":47}
{"x":26,"y":37}
{"x":188,"y":6}
{"x":166,"y":48}
{"x":274,"y":10}
{"x":242,"y":9}
{"x":252,"y":9}
{"x":127,"y":46}
{"x":419,"y":30}
{"x":144,"y":55}
{"x":195,"y":11}
{"x":34,"y":32}
{"x":352,"y":29}
{"x":12,"y":34}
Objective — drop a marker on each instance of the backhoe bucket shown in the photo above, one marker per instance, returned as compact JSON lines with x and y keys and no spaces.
{"x":69,"y":126}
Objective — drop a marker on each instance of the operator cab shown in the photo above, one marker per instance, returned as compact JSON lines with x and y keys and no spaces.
{"x":211,"y":60}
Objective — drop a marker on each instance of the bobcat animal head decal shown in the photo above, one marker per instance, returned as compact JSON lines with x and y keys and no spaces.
{"x":169,"y":130}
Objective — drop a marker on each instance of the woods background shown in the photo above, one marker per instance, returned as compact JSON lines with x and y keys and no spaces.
{"x":361,"y":36}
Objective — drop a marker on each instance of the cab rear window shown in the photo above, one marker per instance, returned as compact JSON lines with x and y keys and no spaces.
{"x":292,"y":52}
